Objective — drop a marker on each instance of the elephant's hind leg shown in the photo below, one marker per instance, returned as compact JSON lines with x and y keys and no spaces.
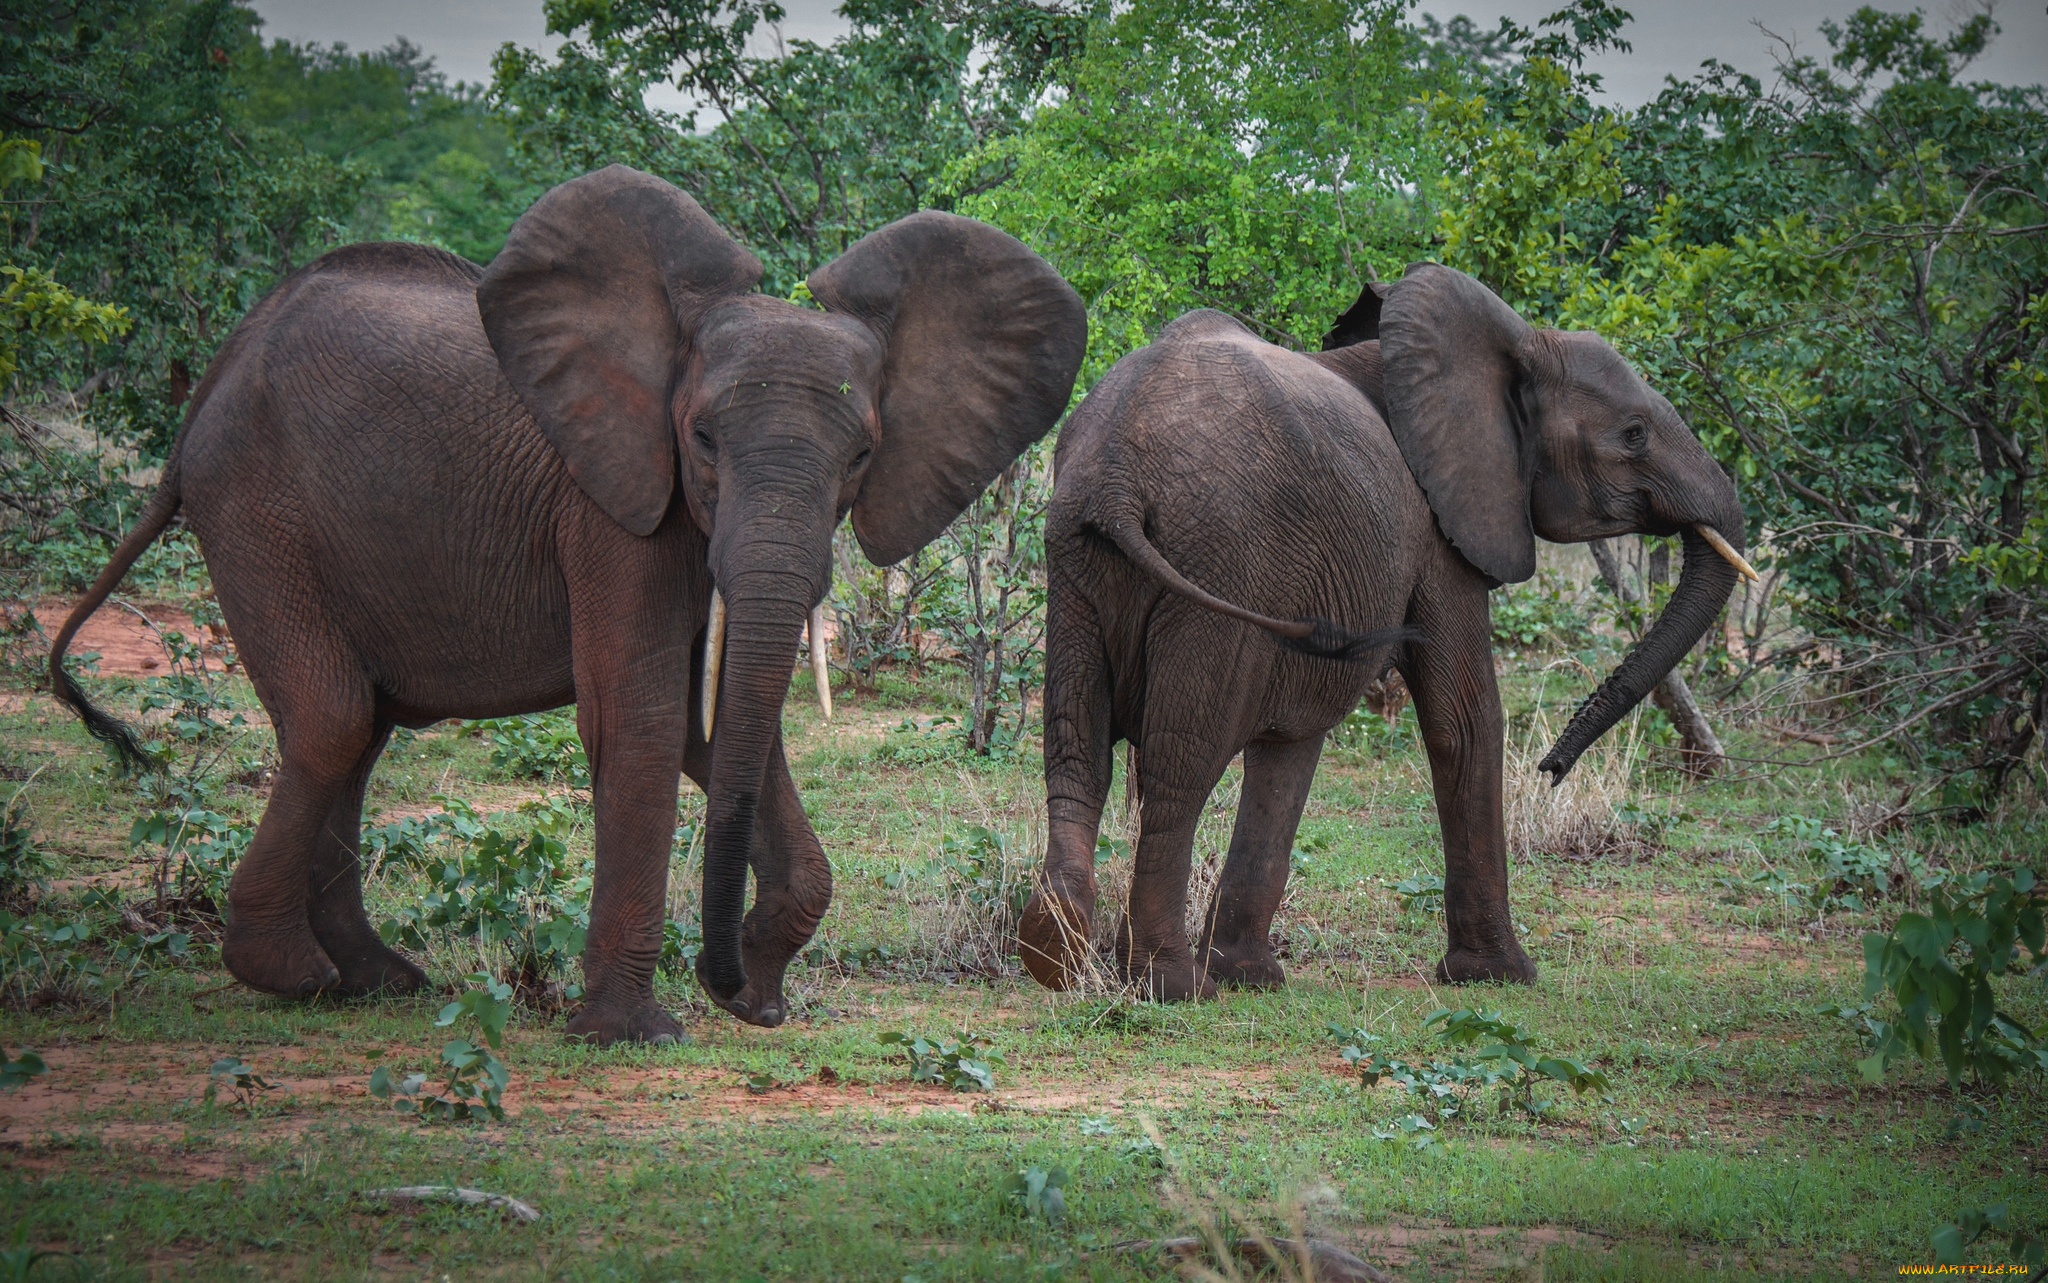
{"x":366,"y":964}
{"x":1053,"y":934}
{"x":1236,"y":932}
{"x":270,"y":942}
{"x":1178,"y":770}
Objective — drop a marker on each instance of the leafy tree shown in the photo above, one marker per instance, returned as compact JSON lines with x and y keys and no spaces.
{"x":813,"y":145}
{"x":437,"y":155}
{"x":148,"y":198}
{"x":1840,"y":284}
{"x":1254,"y":156}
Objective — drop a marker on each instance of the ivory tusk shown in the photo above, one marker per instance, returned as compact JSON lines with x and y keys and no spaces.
{"x":819,"y":670}
{"x":714,"y":660}
{"x":1722,"y":546}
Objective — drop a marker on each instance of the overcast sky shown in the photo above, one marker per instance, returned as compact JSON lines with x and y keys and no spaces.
{"x":1671,"y":37}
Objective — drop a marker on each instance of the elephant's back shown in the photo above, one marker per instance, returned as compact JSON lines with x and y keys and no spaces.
{"x":356,"y":431}
{"x":367,"y":350}
{"x":1227,"y":447}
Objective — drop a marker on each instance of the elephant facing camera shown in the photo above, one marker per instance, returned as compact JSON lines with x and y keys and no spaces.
{"x":604,"y":470}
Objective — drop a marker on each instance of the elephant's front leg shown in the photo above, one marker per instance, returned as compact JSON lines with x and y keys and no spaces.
{"x":792,"y":890}
{"x":635,"y":769}
{"x":1457,"y":704}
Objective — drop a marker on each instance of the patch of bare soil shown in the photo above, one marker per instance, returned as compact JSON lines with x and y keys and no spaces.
{"x":142,"y":1097}
{"x":128,"y":636}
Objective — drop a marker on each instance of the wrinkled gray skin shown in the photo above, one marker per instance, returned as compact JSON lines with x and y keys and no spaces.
{"x":427,"y":490}
{"x":1214,"y":487}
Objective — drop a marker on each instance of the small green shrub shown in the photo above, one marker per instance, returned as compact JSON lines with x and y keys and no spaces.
{"x":542,"y":746}
{"x":243,"y":1085}
{"x":681,"y":942}
{"x":408,"y":842}
{"x":21,"y":1070}
{"x":25,"y":867}
{"x":1938,"y":967}
{"x":1849,"y":876}
{"x":976,"y":861}
{"x":1039,"y":1192}
{"x":193,"y":851}
{"x":1142,"y":1150}
{"x":1365,"y":731}
{"x":1952,"y":1241}
{"x":1539,"y":616}
{"x":196,"y":698}
{"x":476,"y":1078}
{"x":915,"y":743}
{"x":966,"y":1063}
{"x":1508,"y":1057}
{"x":501,"y":888}
{"x":1421,"y":893}
{"x":65,"y":961}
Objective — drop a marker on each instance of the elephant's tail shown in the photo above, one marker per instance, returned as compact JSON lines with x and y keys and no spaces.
{"x":103,"y":726}
{"x":1312,"y":636}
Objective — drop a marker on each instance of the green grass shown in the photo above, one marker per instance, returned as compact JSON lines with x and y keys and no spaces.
{"x":1737,"y":1141}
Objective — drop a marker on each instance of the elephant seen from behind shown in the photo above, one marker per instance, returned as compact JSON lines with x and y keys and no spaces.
{"x":1243,"y":537}
{"x":603,"y":470}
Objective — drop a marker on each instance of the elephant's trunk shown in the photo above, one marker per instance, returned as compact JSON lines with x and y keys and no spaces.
{"x":764,"y":619}
{"x":1703,"y":585}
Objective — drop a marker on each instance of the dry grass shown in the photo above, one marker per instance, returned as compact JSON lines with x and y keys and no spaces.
{"x":1577,"y":819}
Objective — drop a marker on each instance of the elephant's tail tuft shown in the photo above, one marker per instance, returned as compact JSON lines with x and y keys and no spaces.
{"x":1314,"y":636}
{"x":101,"y":725}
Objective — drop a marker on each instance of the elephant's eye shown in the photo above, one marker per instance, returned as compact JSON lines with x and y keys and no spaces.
{"x":859,"y":459}
{"x":705,"y":443}
{"x":1634,"y":435}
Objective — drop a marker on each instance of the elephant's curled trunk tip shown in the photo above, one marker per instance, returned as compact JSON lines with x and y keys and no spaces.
{"x":1703,"y":585}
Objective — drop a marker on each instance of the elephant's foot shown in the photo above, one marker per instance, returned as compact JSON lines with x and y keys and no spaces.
{"x":1053,"y":935}
{"x":1163,"y":973}
{"x":365,"y":973}
{"x":282,"y":960}
{"x":1171,"y":977}
{"x":1466,"y":966}
{"x":1245,"y":965}
{"x":758,"y":1001}
{"x":604,"y":1024}
{"x":758,"y":1004}
{"x":366,"y":964}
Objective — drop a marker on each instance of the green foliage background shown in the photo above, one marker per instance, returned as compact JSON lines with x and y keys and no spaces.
{"x":1840,"y":280}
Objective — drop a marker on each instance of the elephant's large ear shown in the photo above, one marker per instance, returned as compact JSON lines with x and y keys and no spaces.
{"x":982,"y":341}
{"x":589,"y":306}
{"x":1456,"y":360}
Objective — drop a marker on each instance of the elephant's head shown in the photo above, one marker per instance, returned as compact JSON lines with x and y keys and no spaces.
{"x":625,"y":319}
{"x":1515,"y":432}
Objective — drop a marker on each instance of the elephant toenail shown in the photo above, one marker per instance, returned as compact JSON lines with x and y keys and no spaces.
{"x":664,"y":1040}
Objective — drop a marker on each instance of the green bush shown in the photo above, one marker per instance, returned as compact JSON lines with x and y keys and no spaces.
{"x":966,"y":1063}
{"x":1509,"y":1059}
{"x":476,"y":1078}
{"x":541,"y":746}
{"x":500,"y":888}
{"x":1938,"y":967}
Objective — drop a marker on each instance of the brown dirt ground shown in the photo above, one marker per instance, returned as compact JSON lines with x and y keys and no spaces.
{"x":127,"y":645}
